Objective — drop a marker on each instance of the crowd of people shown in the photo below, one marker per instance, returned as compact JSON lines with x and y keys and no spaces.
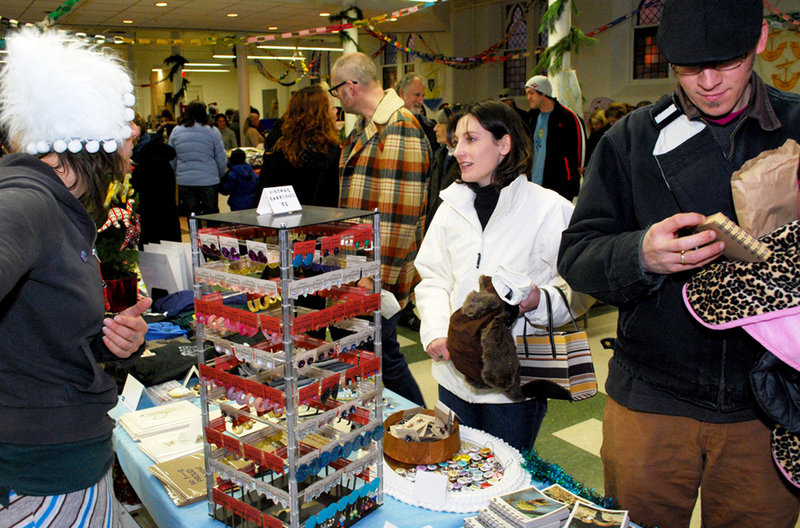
{"x":480,"y":189}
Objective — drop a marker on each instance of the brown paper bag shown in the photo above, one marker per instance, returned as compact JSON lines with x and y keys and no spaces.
{"x":765,"y":192}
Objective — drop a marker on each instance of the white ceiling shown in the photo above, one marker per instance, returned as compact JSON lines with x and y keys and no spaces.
{"x":199,"y":18}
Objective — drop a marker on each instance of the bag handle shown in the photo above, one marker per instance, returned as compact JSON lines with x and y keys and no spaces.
{"x":569,"y":308}
{"x":549,"y":305}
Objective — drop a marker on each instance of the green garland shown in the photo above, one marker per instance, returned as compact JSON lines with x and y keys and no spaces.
{"x":552,"y":473}
{"x":344,"y":18}
{"x":553,"y":13}
{"x":63,"y":9}
{"x":552,"y":58}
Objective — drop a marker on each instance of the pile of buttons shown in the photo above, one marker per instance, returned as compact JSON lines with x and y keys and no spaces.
{"x":470,"y":469}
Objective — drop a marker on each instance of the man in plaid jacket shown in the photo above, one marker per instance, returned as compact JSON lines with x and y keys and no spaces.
{"x":384,"y":165}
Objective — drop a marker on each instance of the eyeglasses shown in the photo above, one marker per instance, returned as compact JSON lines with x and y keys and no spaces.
{"x":335,"y":90}
{"x":694,"y":69}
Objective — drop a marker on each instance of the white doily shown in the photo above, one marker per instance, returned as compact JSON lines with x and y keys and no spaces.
{"x":465,"y":501}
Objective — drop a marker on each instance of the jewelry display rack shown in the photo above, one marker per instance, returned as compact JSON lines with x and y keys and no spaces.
{"x":299,"y":440}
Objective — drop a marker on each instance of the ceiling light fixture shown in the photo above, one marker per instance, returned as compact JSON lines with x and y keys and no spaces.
{"x":204,"y":71}
{"x":127,"y":21}
{"x":324,"y":14}
{"x":272,"y":28}
{"x":233,"y":15}
{"x":161,"y":4}
{"x":203,"y":64}
{"x":259,"y":57}
{"x":303,"y":48}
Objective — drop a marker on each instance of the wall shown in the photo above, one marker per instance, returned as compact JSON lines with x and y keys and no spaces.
{"x":471,"y":26}
{"x":604,"y":70}
{"x":221,"y":88}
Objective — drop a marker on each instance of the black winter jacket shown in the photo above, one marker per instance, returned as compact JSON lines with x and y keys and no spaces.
{"x":566,"y":148}
{"x":52,"y":390}
{"x":627,"y":189}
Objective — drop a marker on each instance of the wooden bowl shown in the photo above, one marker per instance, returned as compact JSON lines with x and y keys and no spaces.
{"x":431,"y":452}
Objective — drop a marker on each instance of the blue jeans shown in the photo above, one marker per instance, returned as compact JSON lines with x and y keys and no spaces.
{"x":517,"y":424}
{"x":396,"y":375}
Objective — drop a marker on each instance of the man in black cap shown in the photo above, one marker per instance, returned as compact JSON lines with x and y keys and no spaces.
{"x":680,"y":412}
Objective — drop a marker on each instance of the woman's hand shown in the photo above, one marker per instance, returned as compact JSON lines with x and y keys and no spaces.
{"x":124,"y":334}
{"x":532,"y":301}
{"x":437,"y":349}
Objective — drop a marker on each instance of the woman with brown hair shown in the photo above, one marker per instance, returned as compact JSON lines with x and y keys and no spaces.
{"x":69,"y":138}
{"x":307,"y":154}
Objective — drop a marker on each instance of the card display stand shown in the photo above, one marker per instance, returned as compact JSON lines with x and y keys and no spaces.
{"x":298,"y":443}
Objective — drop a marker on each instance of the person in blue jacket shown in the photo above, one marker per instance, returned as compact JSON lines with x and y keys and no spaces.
{"x":200,"y":161}
{"x":240,"y":182}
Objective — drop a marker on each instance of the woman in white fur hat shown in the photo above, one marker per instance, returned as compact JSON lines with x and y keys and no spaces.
{"x":65,"y":106}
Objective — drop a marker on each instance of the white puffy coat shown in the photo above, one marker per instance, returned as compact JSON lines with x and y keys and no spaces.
{"x":522,"y":235}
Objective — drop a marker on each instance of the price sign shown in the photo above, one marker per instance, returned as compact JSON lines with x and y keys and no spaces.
{"x":278,"y":200}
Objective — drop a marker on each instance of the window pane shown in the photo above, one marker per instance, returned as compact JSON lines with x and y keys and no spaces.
{"x":648,"y":63}
{"x":514,"y":74}
{"x":650,"y":12}
{"x":390,"y":52}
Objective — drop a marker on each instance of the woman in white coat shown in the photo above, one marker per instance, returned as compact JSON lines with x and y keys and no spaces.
{"x":492,"y":220}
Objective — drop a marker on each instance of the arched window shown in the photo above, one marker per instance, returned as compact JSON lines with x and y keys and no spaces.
{"x":410,"y":43}
{"x":390,"y":53}
{"x":516,"y":27}
{"x":648,"y":63}
{"x":389,"y":68}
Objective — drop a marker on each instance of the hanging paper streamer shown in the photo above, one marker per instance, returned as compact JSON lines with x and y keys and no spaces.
{"x":339,"y":27}
{"x":280,"y":80}
{"x":455,"y":62}
{"x":61,"y":10}
{"x":783,"y":16}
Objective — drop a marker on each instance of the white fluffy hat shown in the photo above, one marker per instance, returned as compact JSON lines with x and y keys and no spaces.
{"x":60,"y":93}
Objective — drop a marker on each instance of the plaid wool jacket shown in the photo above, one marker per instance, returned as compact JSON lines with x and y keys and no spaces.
{"x":384,"y":165}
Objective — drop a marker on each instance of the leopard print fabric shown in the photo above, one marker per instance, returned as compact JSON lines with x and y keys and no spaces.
{"x":727,"y":291}
{"x":786,"y":452}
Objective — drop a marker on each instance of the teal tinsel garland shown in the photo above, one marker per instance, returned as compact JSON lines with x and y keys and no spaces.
{"x":553,"y":473}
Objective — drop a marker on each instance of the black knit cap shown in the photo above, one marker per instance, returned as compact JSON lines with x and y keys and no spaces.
{"x":701,"y":31}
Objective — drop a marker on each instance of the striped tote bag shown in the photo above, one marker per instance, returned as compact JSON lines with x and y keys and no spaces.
{"x":556,"y":364}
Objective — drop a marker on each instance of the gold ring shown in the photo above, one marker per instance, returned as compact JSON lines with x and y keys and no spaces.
{"x":683,"y":257}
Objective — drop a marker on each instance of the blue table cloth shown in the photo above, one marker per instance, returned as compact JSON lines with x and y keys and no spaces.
{"x":164,"y":512}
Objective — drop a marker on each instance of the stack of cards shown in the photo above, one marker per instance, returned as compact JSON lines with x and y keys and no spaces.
{"x":529,"y":508}
{"x":553,"y":507}
{"x":586,"y":515}
{"x":158,"y":420}
{"x":184,"y":478}
{"x":174,"y":444}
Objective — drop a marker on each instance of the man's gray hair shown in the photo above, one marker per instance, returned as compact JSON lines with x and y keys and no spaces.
{"x":357,"y":67}
{"x":407,"y":79}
